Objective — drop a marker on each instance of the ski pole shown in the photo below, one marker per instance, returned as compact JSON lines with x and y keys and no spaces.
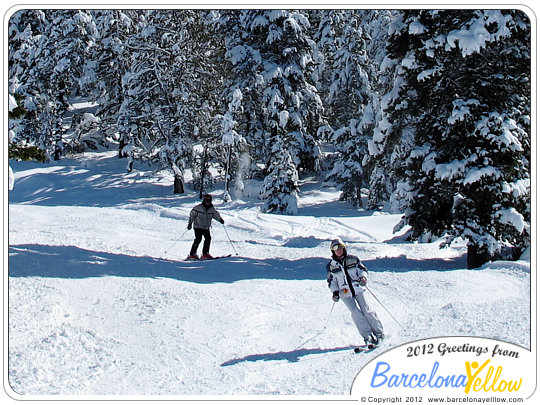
{"x":175,"y":242}
{"x":322,"y":331}
{"x":227,"y":233}
{"x":386,"y":309}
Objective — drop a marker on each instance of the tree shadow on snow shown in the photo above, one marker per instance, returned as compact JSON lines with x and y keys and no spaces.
{"x":98,"y":185}
{"x":402,"y":263}
{"x":73,"y":262}
{"x":292,"y":356}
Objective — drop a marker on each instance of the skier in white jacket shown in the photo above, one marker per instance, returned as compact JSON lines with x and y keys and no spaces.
{"x":347,"y":277}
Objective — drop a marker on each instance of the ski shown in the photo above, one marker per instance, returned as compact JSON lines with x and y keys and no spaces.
{"x":371,"y":344}
{"x":216,"y":257}
{"x":200,"y":259}
{"x":365,"y":348}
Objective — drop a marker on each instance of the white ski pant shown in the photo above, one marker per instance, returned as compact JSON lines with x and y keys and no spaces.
{"x":365,"y":319}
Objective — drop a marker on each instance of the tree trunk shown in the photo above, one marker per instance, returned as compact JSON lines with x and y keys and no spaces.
{"x":476,"y":258}
{"x":121,"y":148}
{"x":226,"y":194}
{"x":204,"y":165}
{"x":178,"y":185}
{"x":57,"y":152}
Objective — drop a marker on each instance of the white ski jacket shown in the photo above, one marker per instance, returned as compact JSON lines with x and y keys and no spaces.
{"x":337,"y":279}
{"x":201,"y":216}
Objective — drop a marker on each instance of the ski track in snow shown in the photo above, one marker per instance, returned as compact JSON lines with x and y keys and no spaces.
{"x":101,"y":301}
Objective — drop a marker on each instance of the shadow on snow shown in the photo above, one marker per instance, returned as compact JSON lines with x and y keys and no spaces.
{"x":94,"y":185}
{"x":73,"y":262}
{"x":292,"y":356}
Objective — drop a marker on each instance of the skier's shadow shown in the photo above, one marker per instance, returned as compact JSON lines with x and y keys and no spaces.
{"x":292,"y":356}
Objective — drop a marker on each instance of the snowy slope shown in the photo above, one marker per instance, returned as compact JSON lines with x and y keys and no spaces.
{"x":101,"y":301}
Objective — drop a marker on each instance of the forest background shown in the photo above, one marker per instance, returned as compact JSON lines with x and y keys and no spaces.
{"x":420,"y":112}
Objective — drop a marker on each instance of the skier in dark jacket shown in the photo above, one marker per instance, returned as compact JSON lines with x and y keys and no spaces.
{"x":200,"y":218}
{"x":347,"y":277}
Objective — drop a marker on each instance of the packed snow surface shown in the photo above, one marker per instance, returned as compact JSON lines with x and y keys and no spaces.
{"x":101,"y":300}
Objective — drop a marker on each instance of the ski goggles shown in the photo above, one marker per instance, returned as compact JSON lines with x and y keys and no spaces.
{"x":337,"y":247}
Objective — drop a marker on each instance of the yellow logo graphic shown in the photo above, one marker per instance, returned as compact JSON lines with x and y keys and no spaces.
{"x":488,"y":381}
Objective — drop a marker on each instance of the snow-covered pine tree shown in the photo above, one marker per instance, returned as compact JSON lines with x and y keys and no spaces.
{"x":144,"y":117}
{"x":231,"y":140}
{"x":467,"y":87}
{"x":244,"y":60}
{"x":377,"y":163}
{"x":26,"y":30}
{"x":392,"y":133}
{"x":324,"y":37}
{"x":72,"y":36}
{"x":349,"y":93}
{"x":111,"y":61}
{"x":277,"y":90}
{"x":170,"y":90}
{"x":58,"y":43}
{"x":206,"y":72}
{"x":280,"y":187}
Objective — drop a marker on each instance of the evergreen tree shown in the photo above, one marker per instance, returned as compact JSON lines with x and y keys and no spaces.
{"x":111,"y":59}
{"x":379,"y":161}
{"x":209,"y":71}
{"x":58,"y":43}
{"x":26,"y":32}
{"x":349,"y":94}
{"x":143,"y":117}
{"x":171,"y":92}
{"x":352,"y":75}
{"x":392,"y":132}
{"x":468,"y":89}
{"x":324,"y":37}
{"x":29,"y":69}
{"x":271,"y":52}
{"x":232,"y":141}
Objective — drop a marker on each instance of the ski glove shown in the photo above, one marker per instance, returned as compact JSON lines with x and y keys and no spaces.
{"x":222,"y":221}
{"x":189,"y":226}
{"x":335,"y":296}
{"x":363,"y":281}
